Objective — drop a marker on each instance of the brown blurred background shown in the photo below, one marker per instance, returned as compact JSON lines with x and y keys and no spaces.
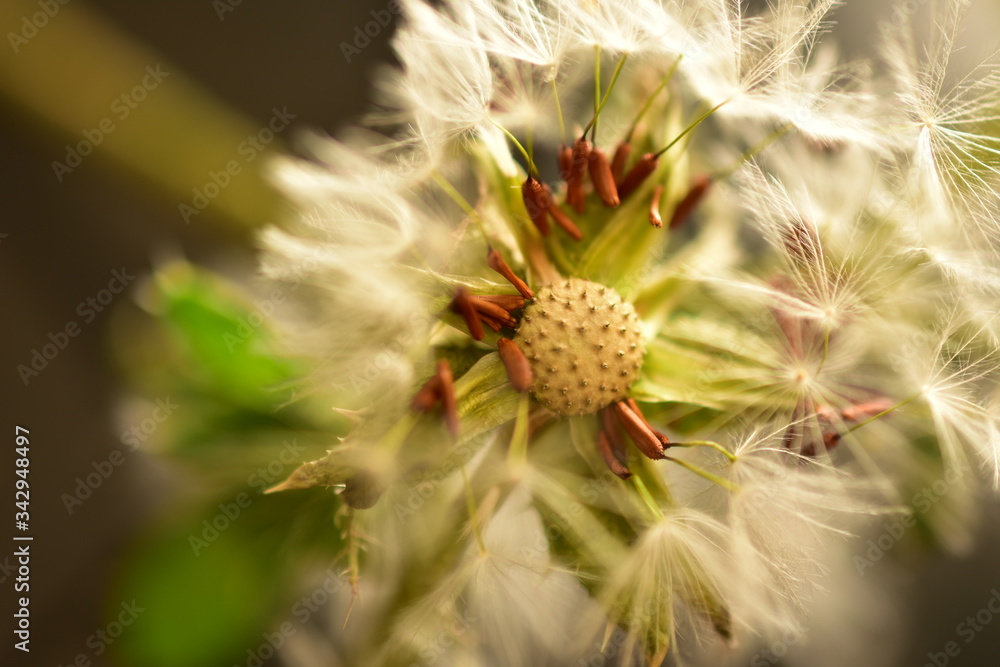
{"x":230,"y":65}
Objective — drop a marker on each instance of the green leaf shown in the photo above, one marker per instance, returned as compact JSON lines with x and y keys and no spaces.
{"x":224,"y":340}
{"x":212,"y":583}
{"x":200,"y":609}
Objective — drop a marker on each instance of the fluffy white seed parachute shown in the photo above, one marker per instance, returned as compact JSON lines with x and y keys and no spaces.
{"x":820,"y":335}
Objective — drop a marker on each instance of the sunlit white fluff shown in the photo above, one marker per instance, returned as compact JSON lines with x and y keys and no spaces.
{"x":367,"y":312}
{"x":794,"y":300}
{"x":942,"y":125}
{"x":953,"y":377}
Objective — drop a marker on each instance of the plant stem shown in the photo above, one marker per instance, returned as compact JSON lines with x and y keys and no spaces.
{"x":651,"y":98}
{"x":470,"y":502}
{"x":559,"y":113}
{"x":881,"y":414}
{"x":706,"y":443}
{"x":647,"y":497}
{"x":599,"y":105}
{"x":753,"y":151}
{"x":531,"y":163}
{"x":457,"y":197}
{"x":701,"y":472}
{"x":690,"y":127}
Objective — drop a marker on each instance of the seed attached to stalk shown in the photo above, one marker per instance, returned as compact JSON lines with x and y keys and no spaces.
{"x":601,"y":177}
{"x":509,"y":302}
{"x":612,"y":449}
{"x":577,"y":168}
{"x":492,"y":310}
{"x":610,"y":456}
{"x":636,"y":176}
{"x":828,"y":417}
{"x":516,"y":364}
{"x":619,"y":161}
{"x":449,"y":404}
{"x":561,"y":218}
{"x":690,"y":202}
{"x":439,"y":389}
{"x":664,"y":440}
{"x":535,"y":202}
{"x":463,"y":305}
{"x":641,"y":435}
{"x":496,"y":262}
{"x":428,"y":396}
{"x":565,"y":162}
{"x":492,"y":323}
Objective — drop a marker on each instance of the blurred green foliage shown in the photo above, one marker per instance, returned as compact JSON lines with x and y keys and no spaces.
{"x":221,"y":567}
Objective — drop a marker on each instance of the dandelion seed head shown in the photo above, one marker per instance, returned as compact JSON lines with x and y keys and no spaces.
{"x":576,"y":405}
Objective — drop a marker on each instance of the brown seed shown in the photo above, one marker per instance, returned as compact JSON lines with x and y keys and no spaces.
{"x":830,"y":440}
{"x":428,"y":395}
{"x":600,"y":176}
{"x":449,"y":404}
{"x":865,"y":410}
{"x":578,"y":165}
{"x":611,"y":427}
{"x":615,"y":464}
{"x":563,"y":220}
{"x":565,"y":161}
{"x":509,"y":302}
{"x":618,"y":162}
{"x":496,"y":262}
{"x":492,"y":323}
{"x":642,"y":170}
{"x":535,"y":203}
{"x":664,"y":440}
{"x":644,"y":439}
{"x":462,"y":304}
{"x":690,"y":202}
{"x":518,"y":368}
{"x":485,"y":308}
{"x":441,"y":388}
{"x":613,"y":431}
{"x":654,"y":208}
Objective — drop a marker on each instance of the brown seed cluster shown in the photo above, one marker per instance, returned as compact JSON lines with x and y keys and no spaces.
{"x":584,"y":346}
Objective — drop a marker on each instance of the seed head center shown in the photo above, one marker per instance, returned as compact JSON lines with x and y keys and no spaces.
{"x":584,"y":345}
